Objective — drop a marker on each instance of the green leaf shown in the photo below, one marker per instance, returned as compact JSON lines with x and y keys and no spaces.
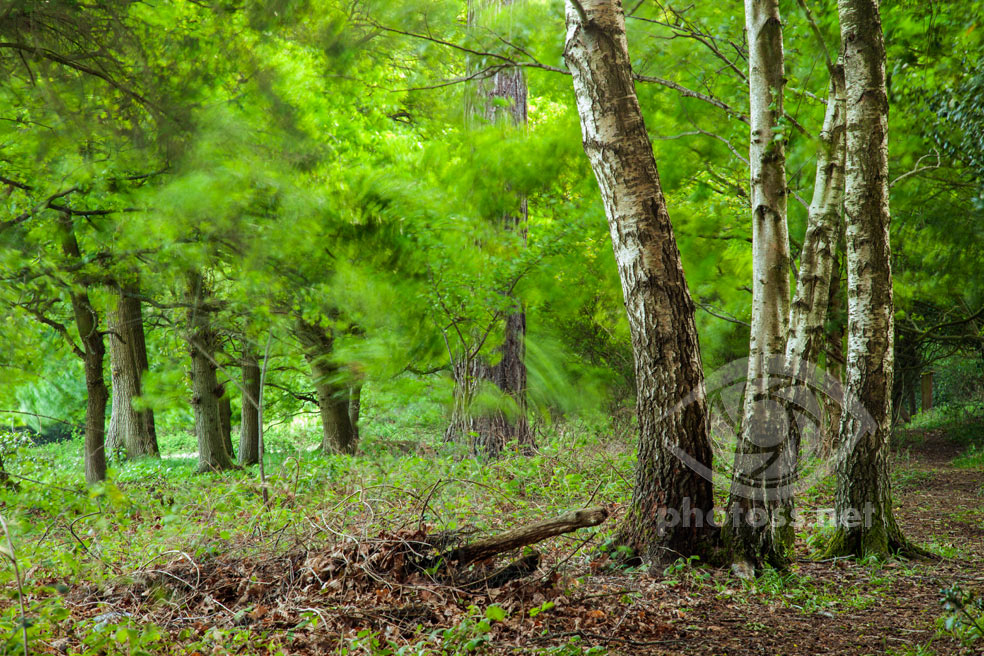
{"x":495,"y":613}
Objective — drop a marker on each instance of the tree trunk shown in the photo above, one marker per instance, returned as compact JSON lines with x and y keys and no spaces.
{"x":863,"y":488}
{"x":249,"y":427}
{"x":333,"y":396}
{"x":93,"y":352}
{"x":671,"y":503}
{"x":763,"y":459}
{"x":490,"y":432}
{"x":354,"y":408}
{"x":926,"y":386}
{"x":814,"y":283}
{"x":225,"y":420}
{"x":129,"y":429}
{"x":213,"y":454}
{"x":835,"y":363}
{"x":96,"y":393}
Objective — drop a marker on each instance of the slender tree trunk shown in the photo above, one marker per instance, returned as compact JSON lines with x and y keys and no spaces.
{"x":129,"y":429}
{"x":503,"y":98}
{"x":333,"y":396}
{"x":213,"y":454}
{"x":249,"y":428}
{"x":96,"y":393}
{"x":863,"y":489}
{"x":354,"y":408}
{"x":763,"y":461}
{"x":672,"y":501}
{"x":93,"y":353}
{"x":815,"y":281}
{"x":225,"y":420}
{"x":835,"y":362}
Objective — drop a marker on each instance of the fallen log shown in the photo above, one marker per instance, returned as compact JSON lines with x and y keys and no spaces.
{"x":524,"y":536}
{"x":401,"y":556}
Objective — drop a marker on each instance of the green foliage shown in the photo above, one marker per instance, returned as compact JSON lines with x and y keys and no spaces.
{"x":964,"y":613}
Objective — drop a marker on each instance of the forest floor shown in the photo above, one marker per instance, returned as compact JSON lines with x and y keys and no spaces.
{"x":225,"y":574}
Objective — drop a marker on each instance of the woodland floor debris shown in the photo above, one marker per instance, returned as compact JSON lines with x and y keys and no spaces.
{"x":308,"y":601}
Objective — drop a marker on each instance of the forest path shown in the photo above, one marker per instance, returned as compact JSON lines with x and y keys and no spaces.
{"x":843,"y":607}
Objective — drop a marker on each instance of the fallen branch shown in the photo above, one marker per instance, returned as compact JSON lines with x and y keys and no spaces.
{"x":525,"y":535}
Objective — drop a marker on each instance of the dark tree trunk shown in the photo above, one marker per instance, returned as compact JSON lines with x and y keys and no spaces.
{"x":338,"y":435}
{"x":491,"y":431}
{"x":672,"y":501}
{"x":130,"y":430}
{"x":926,"y":386}
{"x":249,"y":428}
{"x":213,"y":454}
{"x":354,"y":408}
{"x":225,"y":420}
{"x":93,"y":353}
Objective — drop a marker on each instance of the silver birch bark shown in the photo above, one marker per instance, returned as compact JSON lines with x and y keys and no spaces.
{"x":813,"y":282}
{"x":762,"y":459}
{"x":862,"y":481}
{"x":669,"y":497}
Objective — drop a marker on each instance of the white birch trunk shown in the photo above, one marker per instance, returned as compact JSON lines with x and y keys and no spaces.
{"x":863,"y":483}
{"x":762,"y":460}
{"x":671,"y":404}
{"x":809,"y":308}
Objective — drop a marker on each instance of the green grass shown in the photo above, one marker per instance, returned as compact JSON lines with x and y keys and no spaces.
{"x":963,"y":423}
{"x":973,"y":458}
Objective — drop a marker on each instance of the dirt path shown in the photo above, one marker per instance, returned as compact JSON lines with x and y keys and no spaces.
{"x":835,"y":607}
{"x":873,"y":610}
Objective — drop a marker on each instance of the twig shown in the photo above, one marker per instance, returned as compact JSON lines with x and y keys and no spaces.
{"x":711,"y":312}
{"x":918,"y":169}
{"x":819,"y":35}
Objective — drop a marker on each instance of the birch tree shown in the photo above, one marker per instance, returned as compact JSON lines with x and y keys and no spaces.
{"x":863,"y":498}
{"x":761,"y":457}
{"x":669,"y":497}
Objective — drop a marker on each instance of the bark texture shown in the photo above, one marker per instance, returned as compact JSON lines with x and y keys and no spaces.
{"x":491,"y":431}
{"x":763,"y":461}
{"x":338,"y":435}
{"x":814,"y":287}
{"x":249,"y":427}
{"x":130,"y":430}
{"x":213,"y":454}
{"x":863,"y":481}
{"x":671,"y":403}
{"x":93,"y":352}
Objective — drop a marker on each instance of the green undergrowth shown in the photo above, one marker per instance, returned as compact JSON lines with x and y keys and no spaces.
{"x":65,"y":536}
{"x":151,"y":512}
